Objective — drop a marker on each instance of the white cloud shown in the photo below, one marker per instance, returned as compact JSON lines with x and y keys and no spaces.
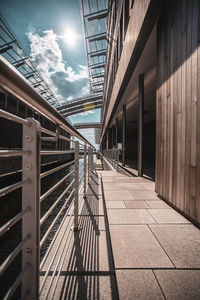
{"x":73,"y":76}
{"x":47,"y":56}
{"x":87,"y":113}
{"x":86,"y":90}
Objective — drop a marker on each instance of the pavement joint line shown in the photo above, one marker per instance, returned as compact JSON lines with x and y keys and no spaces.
{"x":162,"y":247}
{"x":80,"y":273}
{"x":156,"y":224}
{"x":159,"y":284}
{"x":147,"y":210}
{"x":160,"y":268}
{"x":109,"y":244}
{"x":129,"y":208}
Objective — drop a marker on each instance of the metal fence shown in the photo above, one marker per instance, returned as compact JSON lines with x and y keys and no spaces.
{"x":40,"y":237}
{"x":112,"y":156}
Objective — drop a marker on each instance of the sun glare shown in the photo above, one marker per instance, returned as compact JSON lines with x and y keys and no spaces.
{"x":71,"y":37}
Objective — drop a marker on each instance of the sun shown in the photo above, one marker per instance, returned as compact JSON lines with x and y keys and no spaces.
{"x":71,"y":37}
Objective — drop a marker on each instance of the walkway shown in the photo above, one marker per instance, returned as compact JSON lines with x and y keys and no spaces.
{"x":132,"y":245}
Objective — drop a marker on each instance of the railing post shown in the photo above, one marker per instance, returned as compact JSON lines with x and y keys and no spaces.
{"x":92,"y":158}
{"x":117,"y":160}
{"x":88,"y":163}
{"x":85,"y":170}
{"x":31,"y":198}
{"x":76,"y":185}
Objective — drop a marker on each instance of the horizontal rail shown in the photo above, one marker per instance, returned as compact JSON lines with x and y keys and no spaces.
{"x":12,"y":82}
{"x":56,"y":169}
{"x":55,"y":186}
{"x":13,"y":221}
{"x":55,"y":203}
{"x":54,"y":152}
{"x":11,"y":153}
{"x":47,"y":131}
{"x":13,"y":254}
{"x":6,"y":115}
{"x":55,"y":236}
{"x":54,"y":221}
{"x":62,"y":255}
{"x":12,"y":187}
{"x":54,"y":138}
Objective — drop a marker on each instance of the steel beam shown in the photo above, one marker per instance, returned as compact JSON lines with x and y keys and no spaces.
{"x":98,"y":17}
{"x":94,"y":54}
{"x":116,"y":132}
{"x":81,"y":110}
{"x":124,"y":135}
{"x":77,"y":102}
{"x":84,"y":106}
{"x":87,"y":125}
{"x":140,"y":125}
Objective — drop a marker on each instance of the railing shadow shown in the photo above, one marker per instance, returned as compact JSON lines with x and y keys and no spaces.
{"x":88,"y":269}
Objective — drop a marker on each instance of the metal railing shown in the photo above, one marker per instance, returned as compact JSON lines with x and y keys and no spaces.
{"x":112,"y":156}
{"x":48,"y":210}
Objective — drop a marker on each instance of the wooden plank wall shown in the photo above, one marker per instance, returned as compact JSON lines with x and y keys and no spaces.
{"x":178,"y":106}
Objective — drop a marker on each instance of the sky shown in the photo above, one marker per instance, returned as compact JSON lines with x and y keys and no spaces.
{"x":52,"y":34}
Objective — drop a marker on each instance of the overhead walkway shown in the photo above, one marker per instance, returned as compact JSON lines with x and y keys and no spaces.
{"x":87,"y":125}
{"x":12,"y":51}
{"x":80,"y":105}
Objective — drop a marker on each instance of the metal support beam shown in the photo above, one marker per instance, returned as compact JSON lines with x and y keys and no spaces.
{"x":140,"y":125}
{"x":85,"y":170}
{"x":76,"y":185}
{"x":81,"y":110}
{"x":113,"y":135}
{"x":124,"y":135}
{"x":107,"y":140}
{"x":97,"y":53}
{"x":116,"y":132}
{"x":31,"y":198}
{"x":98,"y":17}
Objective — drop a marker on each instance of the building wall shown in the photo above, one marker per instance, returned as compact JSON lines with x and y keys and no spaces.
{"x":178,"y":106}
{"x":125,"y":38}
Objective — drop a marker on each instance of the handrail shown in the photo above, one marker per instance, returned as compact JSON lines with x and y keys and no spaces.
{"x":13,"y":82}
{"x":112,"y":157}
{"x":62,"y":207}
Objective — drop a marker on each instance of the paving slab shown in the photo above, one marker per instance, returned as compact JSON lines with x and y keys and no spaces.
{"x":87,"y":252}
{"x":115,"y":204}
{"x":117,"y":195}
{"x":181,"y":242}
{"x":167,"y":216}
{"x":93,"y":205}
{"x":94,"y":189}
{"x":138,"y":284}
{"x":143,"y":195}
{"x":108,"y":179}
{"x":129,"y":216}
{"x":80,"y":287}
{"x":130,"y":186}
{"x":179,"y":284}
{"x":149,"y":186}
{"x":136,"y":204}
{"x":107,"y":186}
{"x":119,"y":186}
{"x":157,"y":204}
{"x":134,"y":246}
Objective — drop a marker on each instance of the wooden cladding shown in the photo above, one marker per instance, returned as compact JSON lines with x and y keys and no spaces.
{"x":178,"y":106}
